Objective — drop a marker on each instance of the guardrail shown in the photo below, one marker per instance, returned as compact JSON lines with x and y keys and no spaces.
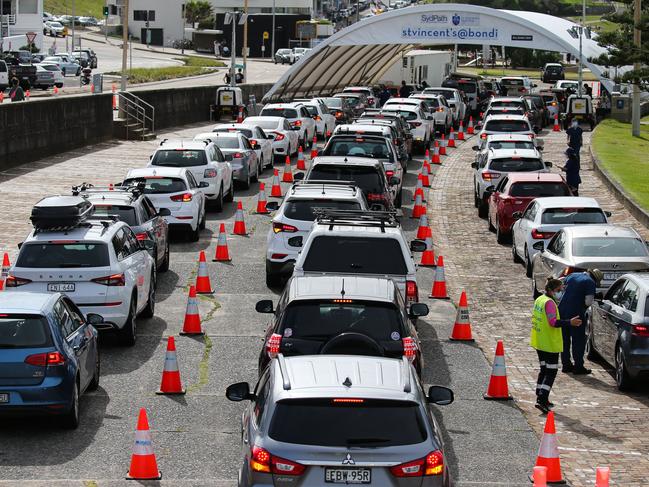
{"x":137,"y":111}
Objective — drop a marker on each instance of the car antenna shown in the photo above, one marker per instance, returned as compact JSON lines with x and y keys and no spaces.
{"x":342,"y":291}
{"x":347,"y":383}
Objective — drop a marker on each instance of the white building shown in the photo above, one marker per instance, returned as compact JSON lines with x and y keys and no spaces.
{"x":17,"y":17}
{"x":304,"y":7}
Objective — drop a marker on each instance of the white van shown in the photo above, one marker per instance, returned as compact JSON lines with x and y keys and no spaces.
{"x":4,"y":76}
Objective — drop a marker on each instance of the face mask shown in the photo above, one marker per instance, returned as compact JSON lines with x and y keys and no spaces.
{"x":558,"y":295}
{"x":574,"y":123}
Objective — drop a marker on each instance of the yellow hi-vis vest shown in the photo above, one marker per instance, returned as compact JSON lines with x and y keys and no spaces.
{"x":543,"y":336}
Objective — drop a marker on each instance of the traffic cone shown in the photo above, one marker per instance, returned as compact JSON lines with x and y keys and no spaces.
{"x":276,"y":188}
{"x":540,"y":476}
{"x":427,"y":154}
{"x":114,"y":87}
{"x":240,"y":115}
{"x":602,"y":477}
{"x":556,"y":127}
{"x":287,"y":176}
{"x":436,"y":159}
{"x":2,"y":284}
{"x":301,"y":166}
{"x":462,"y":327}
{"x":428,"y":255}
{"x":27,"y":94}
{"x":56,"y":91}
{"x":451,"y":138}
{"x":192,"y":323}
{"x":470,"y":130}
{"x":171,"y":384}
{"x":239,"y":223}
{"x":203,"y":284}
{"x":498,"y":389}
{"x":549,"y":453}
{"x":425,"y":181}
{"x":460,"y":132}
{"x":423,"y":230}
{"x":143,"y":462}
{"x":419,"y":208}
{"x":2,"y":97}
{"x":419,"y":188}
{"x":314,"y":152}
{"x":6,"y":265}
{"x":222,"y":254}
{"x":442,"y":146}
{"x":439,"y":286}
{"x":261,"y":200}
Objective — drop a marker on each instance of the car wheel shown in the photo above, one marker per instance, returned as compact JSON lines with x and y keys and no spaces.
{"x":256,"y":176}
{"x":218,"y":202}
{"x":272,"y":279}
{"x":399,"y":199}
{"x":164,"y":267}
{"x":59,"y":85}
{"x":202,"y":222}
{"x":501,"y":238}
{"x":515,"y":257}
{"x":528,"y":264}
{"x":128,"y":333}
{"x":94,"y":382}
{"x":70,"y":420}
{"x":476,"y":200}
{"x":149,"y":311}
{"x":230,"y":196}
{"x":591,"y":353}
{"x":482,"y":208}
{"x":246,"y":184}
{"x":490,"y":224}
{"x":271,"y":160}
{"x":535,"y":293}
{"x":622,"y":377}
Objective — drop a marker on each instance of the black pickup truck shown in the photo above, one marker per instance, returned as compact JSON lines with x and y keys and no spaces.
{"x":19,"y":66}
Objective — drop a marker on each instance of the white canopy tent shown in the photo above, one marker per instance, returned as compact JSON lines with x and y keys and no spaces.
{"x":362,"y":52}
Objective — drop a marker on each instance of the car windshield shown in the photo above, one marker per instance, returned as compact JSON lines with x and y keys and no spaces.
{"x":572,"y":216}
{"x":512,"y":82}
{"x":313,"y":111}
{"x":407,"y":114}
{"x":366,"y":178}
{"x":227,"y":142}
{"x":334,"y":102}
{"x":125,"y":213}
{"x":55,"y":24}
{"x":159,"y":185}
{"x":449,"y":95}
{"x":279,"y":112}
{"x":348,"y":424}
{"x":467,"y":87}
{"x":358,"y":147}
{"x":246,"y":132}
{"x":268,"y":124}
{"x":539,"y":189}
{"x":507,"y":126}
{"x":554,"y":69}
{"x":284,"y":51}
{"x":358,"y":255}
{"x":23,"y":331}
{"x":609,"y":247}
{"x":179,"y":158}
{"x":63,"y":255}
{"x":512,"y":144}
{"x":507,"y":104}
{"x":50,"y":67}
{"x":521,"y":164}
{"x":304,"y":209}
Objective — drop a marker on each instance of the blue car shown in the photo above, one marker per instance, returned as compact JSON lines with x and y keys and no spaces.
{"x":48,"y":355}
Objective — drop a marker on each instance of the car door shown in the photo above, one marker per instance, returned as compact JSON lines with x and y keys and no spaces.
{"x":547,"y":261}
{"x":198,"y":201}
{"x":142,"y":265}
{"x":523,"y":226}
{"x":158,"y":227}
{"x":71,"y":323}
{"x":224,"y":168}
{"x":127,"y":261}
{"x":251,"y":155}
{"x":495,"y":200}
{"x":266,"y":145}
{"x":604,"y":326}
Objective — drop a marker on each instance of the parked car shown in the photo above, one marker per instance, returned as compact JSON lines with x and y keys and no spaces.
{"x":552,"y":72}
{"x":552,"y":105}
{"x":507,"y":124}
{"x":299,"y":118}
{"x":44,"y":78}
{"x":284,"y":138}
{"x":259,"y":141}
{"x":54,"y":29}
{"x":517,"y":85}
{"x":537,"y":111}
{"x":284,"y":56}
{"x":439,"y":109}
{"x":56,"y":73}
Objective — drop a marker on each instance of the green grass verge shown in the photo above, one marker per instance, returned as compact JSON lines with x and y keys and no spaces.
{"x":532,"y":73}
{"x":82,"y":8}
{"x":201,"y":61}
{"x":596,"y":23}
{"x":147,"y":75}
{"x":625,"y":157}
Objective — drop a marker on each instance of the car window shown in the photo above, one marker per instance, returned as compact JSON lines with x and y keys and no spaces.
{"x":123,"y":212}
{"x":227,"y":142}
{"x":615,"y":291}
{"x":530,"y":213}
{"x":628,"y":298}
{"x":149,"y":209}
{"x":64,"y":319}
{"x":507,"y":126}
{"x":557,"y":244}
{"x":60,"y":255}
{"x":132,"y":242}
{"x":367,"y":178}
{"x":531,"y":189}
{"x":609,"y":247}
{"x":313,"y":111}
{"x":261,"y":392}
{"x":565,"y":216}
{"x":516,"y":164}
{"x":192,"y":182}
{"x":142,"y":214}
{"x":120,"y":244}
{"x":159,"y":184}
{"x":279,"y":112}
{"x":246,"y":143}
{"x":304,"y":210}
{"x":374,"y":148}
{"x":246,"y":132}
{"x":76,"y":317}
{"x":511,"y":144}
{"x":501,"y":185}
{"x":23,"y":331}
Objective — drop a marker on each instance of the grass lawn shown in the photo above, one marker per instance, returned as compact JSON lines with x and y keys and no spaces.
{"x":532,"y":73}
{"x":201,"y":61}
{"x":625,"y":157}
{"x":82,"y":8}
{"x":147,"y":75}
{"x":596,"y":23}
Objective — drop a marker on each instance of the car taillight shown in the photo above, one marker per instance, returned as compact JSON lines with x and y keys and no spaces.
{"x":489,"y":176}
{"x":432,"y":464}
{"x":142,"y":236}
{"x":483,"y":136}
{"x":114,"y":280}
{"x":374,"y":197}
{"x":396,"y":142}
{"x":281,"y":227}
{"x":409,"y":348}
{"x":317,"y":118}
{"x":640,"y":330}
{"x":412,"y":292}
{"x":45,"y":359}
{"x":414,"y":124}
{"x":440,"y":109}
{"x":536,"y":235}
{"x":210,"y":173}
{"x":262,"y":461}
{"x":554,"y":103}
{"x":389,"y":174}
{"x":370,"y":100}
{"x":279,"y":136}
{"x":185,"y":197}
{"x":13,"y":281}
{"x":273,"y":344}
{"x":568,"y":270}
{"x":297,"y":123}
{"x":237,"y":155}
{"x":339,"y":114}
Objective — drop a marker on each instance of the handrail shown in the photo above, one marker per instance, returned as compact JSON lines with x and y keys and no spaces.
{"x":137,"y":110}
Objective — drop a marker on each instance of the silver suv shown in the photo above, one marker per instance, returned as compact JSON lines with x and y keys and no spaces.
{"x":318,"y":420}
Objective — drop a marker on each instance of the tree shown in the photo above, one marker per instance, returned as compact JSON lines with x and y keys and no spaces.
{"x":197,"y":11}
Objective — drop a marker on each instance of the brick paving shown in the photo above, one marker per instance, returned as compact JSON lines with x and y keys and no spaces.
{"x":597,"y":425}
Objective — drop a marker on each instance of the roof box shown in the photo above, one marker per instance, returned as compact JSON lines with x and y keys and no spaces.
{"x":55,"y":212}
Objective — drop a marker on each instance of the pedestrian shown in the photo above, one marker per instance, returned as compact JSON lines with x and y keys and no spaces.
{"x":227,"y":78}
{"x":16,"y":93}
{"x":571,"y":169}
{"x":546,"y":338}
{"x":588,"y":90}
{"x":578,"y":294}
{"x":424,"y":85}
{"x":238,"y":76}
{"x":226,"y":50}
{"x":574,"y":136}
{"x":384,"y":95}
{"x":405,"y":90}
{"x":217,"y":49}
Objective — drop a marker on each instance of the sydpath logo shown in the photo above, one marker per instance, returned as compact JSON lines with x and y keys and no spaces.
{"x":434,"y":19}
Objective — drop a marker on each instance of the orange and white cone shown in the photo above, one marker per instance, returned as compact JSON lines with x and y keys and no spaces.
{"x":556,"y":127}
{"x":436,"y":159}
{"x":451,"y":138}
{"x":222,"y":253}
{"x":439,"y":286}
{"x":261,"y":200}
{"x":203,"y":284}
{"x":314,"y":149}
{"x":549,"y":453}
{"x":239,"y":222}
{"x":419,"y":188}
{"x":240,"y":115}
{"x":328,"y":135}
{"x":540,"y":477}
{"x":442,"y":146}
{"x":143,"y":462}
{"x":301,"y":165}
{"x":602,"y":477}
{"x":460,"y":132}
{"x":425,"y":180}
{"x":427,"y":154}
{"x":462,"y":327}
{"x":470,"y":130}
{"x":419,"y":208}
{"x":276,"y":188}
{"x":498,"y":390}
{"x":192,"y":324}
{"x":6,"y":265}
{"x":287,"y":176}
{"x":171,"y":384}
{"x":423,"y":230}
{"x":428,"y":255}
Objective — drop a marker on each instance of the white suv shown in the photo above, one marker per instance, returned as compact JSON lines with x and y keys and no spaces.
{"x":299,"y":118}
{"x":454,"y":99}
{"x":506,"y":124}
{"x":421,"y":124}
{"x":293,"y":221}
{"x":98,"y":263}
{"x":258,"y":139}
{"x":204,"y":160}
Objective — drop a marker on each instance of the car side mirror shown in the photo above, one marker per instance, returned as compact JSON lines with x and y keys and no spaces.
{"x":517,"y":215}
{"x":147,"y":244}
{"x":608,"y":214}
{"x":264,"y":306}
{"x":151,"y":157}
{"x":296,"y":128}
{"x":539,"y":246}
{"x":491,"y":189}
{"x":394,"y":181}
{"x":228,"y":157}
{"x":418,"y":309}
{"x":418,"y":246}
{"x":548,"y":164}
{"x":20,"y":245}
{"x":270,"y":136}
{"x":203,"y":184}
{"x":272,"y":205}
{"x":298,"y":176}
{"x":164,"y":212}
{"x":474,"y":165}
{"x":475,"y":148}
{"x":94,"y":319}
{"x":429,"y":117}
{"x":440,"y":395}
{"x":599,"y":296}
{"x":239,"y":392}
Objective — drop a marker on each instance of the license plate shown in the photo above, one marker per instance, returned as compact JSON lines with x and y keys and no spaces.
{"x":348,"y":475}
{"x":611,"y":276}
{"x":62,"y":287}
{"x":4,"y":397}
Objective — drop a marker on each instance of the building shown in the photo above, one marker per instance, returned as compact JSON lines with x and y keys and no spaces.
{"x":17,"y":17}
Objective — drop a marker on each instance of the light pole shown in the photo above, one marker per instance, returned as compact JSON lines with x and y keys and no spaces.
{"x":637,"y":38}
{"x":73,"y":21}
{"x":580,"y":81}
{"x":272,"y":41}
{"x":124,"y":42}
{"x":245,"y":40}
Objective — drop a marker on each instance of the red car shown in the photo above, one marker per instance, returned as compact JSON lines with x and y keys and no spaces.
{"x":514,"y":192}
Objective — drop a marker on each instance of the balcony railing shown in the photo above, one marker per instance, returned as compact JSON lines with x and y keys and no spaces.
{"x":8,"y":19}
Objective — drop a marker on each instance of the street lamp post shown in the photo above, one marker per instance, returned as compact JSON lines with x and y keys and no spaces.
{"x":581,"y":37}
{"x":124,"y":42}
{"x":637,"y":38}
{"x":272,"y":41}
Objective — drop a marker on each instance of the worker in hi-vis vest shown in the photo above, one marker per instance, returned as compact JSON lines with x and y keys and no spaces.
{"x":546,"y":338}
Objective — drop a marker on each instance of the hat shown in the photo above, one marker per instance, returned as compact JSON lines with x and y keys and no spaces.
{"x":570,"y":151}
{"x":597,"y":275}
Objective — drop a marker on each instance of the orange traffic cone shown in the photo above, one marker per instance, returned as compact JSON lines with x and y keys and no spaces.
{"x":602,"y":477}
{"x":143,"y":462}
{"x":460,"y":132}
{"x":27,"y":94}
{"x":203,"y":284}
{"x":419,"y":208}
{"x":498,"y":389}
{"x":301,"y":166}
{"x":314,"y":152}
{"x":428,"y":255}
{"x":222,"y":254}
{"x":470,"y":130}
{"x":56,"y":91}
{"x":171,"y":384}
{"x":424,"y":173}
{"x":462,"y":328}
{"x":540,"y":477}
{"x":114,"y":97}
{"x":2,"y":96}
{"x":436,"y":159}
{"x":556,"y":127}
{"x":439,"y":286}
{"x":240,"y":115}
{"x":549,"y":453}
{"x":239,"y":223}
{"x":192,"y":324}
{"x":427,"y":154}
{"x":276,"y":188}
{"x":423,"y":230}
{"x":2,"y":284}
{"x":6,"y":265}
{"x":451,"y":138}
{"x":287,"y":177}
{"x":442,"y":146}
{"x":261,"y":200}
{"x":419,"y":188}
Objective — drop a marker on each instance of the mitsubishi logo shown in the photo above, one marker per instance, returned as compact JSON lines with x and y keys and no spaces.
{"x":349,"y":460}
{"x":615,"y":266}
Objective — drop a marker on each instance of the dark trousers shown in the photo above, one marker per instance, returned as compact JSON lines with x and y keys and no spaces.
{"x":549,"y":362}
{"x":574,"y":337}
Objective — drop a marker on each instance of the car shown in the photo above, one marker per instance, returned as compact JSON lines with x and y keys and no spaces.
{"x":293,"y":220}
{"x":517,"y":85}
{"x":44,"y":78}
{"x":455,"y":99}
{"x":67,"y":64}
{"x":339,"y":108}
{"x":617,"y":328}
{"x":437,"y":106}
{"x":54,"y":28}
{"x":241,"y":156}
{"x":423,"y":105}
{"x":259,"y":141}
{"x":377,"y":127}
{"x":50,"y":355}
{"x":98,"y":263}
{"x":537,"y":111}
{"x":394,"y":119}
{"x":56,"y":73}
{"x":356,"y":101}
{"x":85,"y":21}
{"x":514,"y":192}
{"x":82,"y":58}
{"x":552,"y":72}
{"x":91,"y":55}
{"x":130,"y":205}
{"x":372,"y":100}
{"x":322,"y":419}
{"x":284,"y":56}
{"x":299,"y":52}
{"x":472,"y":88}
{"x":614,"y":250}
{"x":4,"y":76}
{"x":552,"y":105}
{"x":544,"y":217}
{"x":421,"y":124}
{"x":299,"y":118}
{"x":566,"y":86}
{"x":505,"y":141}
{"x":207,"y":163}
{"x":176,"y":189}
{"x":494,"y":164}
{"x":325,"y":121}
{"x":515,"y":104}
{"x":507,"y":124}
{"x":285,"y":139}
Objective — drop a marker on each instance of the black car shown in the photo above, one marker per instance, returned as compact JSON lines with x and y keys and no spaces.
{"x":552,"y":72}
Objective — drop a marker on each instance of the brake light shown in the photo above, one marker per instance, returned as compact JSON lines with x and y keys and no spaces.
{"x":279,"y":136}
{"x":409,"y":348}
{"x":317,"y":118}
{"x":281,"y":227}
{"x":440,"y":109}
{"x":568,"y":270}
{"x":389,"y":174}
{"x":374,"y":197}
{"x":412,"y":292}
{"x":262,"y":461}
{"x":554,"y":103}
{"x":297,"y":123}
{"x":185,"y":197}
{"x":114,"y":280}
{"x":339,"y":114}
{"x":640,"y":330}
{"x":45,"y":359}
{"x":210,"y":173}
{"x":536,"y":235}
{"x":347,"y":400}
{"x":13,"y":281}
{"x":414,"y":124}
{"x":370,"y":100}
{"x":489,"y":176}
{"x":273,"y":344}
{"x":431,"y":464}
{"x":142,"y":236}
{"x":237,"y":155}
{"x":483,"y":136}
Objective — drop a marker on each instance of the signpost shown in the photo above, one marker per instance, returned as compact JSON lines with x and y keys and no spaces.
{"x":30,"y":41}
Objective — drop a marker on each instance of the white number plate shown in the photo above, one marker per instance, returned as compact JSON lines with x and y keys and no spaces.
{"x":611,"y":276}
{"x":348,"y":475}
{"x":4,"y":397}
{"x":64,"y":287}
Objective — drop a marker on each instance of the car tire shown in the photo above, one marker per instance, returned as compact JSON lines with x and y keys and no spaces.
{"x":255,"y":178}
{"x":246,"y":183}
{"x":218,"y":202}
{"x":528,"y":264}
{"x":128,"y":334}
{"x":591,"y":353}
{"x":483,"y":209}
{"x":501,"y":238}
{"x":271,"y":161}
{"x":535,"y":293}
{"x":273,"y":279}
{"x":398,"y":201}
{"x":476,"y":200}
{"x":59,"y":85}
{"x":149,"y":310}
{"x":164,"y":267}
{"x":490,"y":224}
{"x":229,"y":198}
{"x":70,"y":420}
{"x":94,"y":382}
{"x":195,"y":235}
{"x":515,"y":257}
{"x":622,"y":378}
{"x":202,"y":223}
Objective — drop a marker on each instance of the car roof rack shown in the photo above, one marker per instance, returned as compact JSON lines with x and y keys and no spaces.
{"x":407,"y":387}
{"x":325,"y":184}
{"x":134,"y":189}
{"x":286,"y":380}
{"x":381,"y":219}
